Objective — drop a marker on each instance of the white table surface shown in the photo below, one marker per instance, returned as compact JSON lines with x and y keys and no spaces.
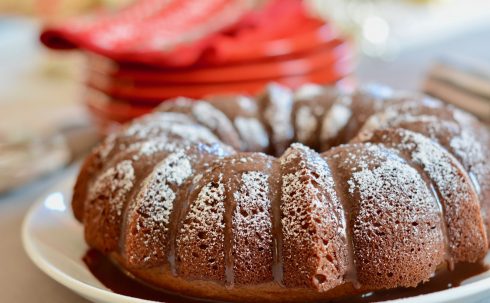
{"x":21,"y":281}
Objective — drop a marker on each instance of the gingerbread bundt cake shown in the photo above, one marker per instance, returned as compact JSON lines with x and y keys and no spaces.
{"x":192,"y":198}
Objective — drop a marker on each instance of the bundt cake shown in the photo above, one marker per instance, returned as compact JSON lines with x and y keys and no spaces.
{"x":212,"y":199}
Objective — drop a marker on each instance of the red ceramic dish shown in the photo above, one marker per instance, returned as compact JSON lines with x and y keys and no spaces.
{"x":297,"y":64}
{"x":157,"y":93}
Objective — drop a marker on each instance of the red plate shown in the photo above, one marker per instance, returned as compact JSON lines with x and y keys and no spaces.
{"x":153,"y":94}
{"x":291,"y":65}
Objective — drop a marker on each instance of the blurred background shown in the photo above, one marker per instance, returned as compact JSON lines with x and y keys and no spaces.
{"x":71,"y":70}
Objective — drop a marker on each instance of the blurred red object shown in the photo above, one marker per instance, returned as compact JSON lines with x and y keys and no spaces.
{"x":156,"y":50}
{"x":187,"y":32}
{"x":101,"y":70}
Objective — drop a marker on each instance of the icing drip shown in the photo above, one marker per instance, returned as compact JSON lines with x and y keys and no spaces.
{"x":275,"y":181}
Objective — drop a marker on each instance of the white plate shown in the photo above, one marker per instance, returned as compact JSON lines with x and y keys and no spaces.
{"x":53,"y":239}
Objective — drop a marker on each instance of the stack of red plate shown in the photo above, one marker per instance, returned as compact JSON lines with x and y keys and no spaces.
{"x":279,"y":42}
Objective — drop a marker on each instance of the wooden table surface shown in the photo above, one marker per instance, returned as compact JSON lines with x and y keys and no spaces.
{"x":20,"y":280}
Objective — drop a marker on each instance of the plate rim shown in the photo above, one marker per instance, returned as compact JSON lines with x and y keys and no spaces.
{"x":84,"y":289}
{"x":59,"y":275}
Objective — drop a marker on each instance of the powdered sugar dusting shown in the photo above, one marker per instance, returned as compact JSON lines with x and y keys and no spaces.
{"x":395,"y":212}
{"x":253,"y":133}
{"x":393,"y":116}
{"x":154,"y":205}
{"x":155,"y":123}
{"x":193,"y":133}
{"x":335,"y":120}
{"x":468,"y":148}
{"x":439,"y":166}
{"x":156,"y":198}
{"x":382,"y":176}
{"x":247,"y":103}
{"x":252,"y":194}
{"x":210,"y":116}
{"x":252,"y":228}
{"x":159,"y":144}
{"x":391,"y":173}
{"x":106,"y":147}
{"x":201,"y":239}
{"x":459,"y":200}
{"x":278,"y":114}
{"x":170,"y":124}
{"x":463,"y":118}
{"x":182,"y":101}
{"x":118,"y":181}
{"x":152,"y":146}
{"x":308,"y":91}
{"x":306,"y":123}
{"x":414,"y":109}
{"x":177,"y":167}
{"x":164,"y":143}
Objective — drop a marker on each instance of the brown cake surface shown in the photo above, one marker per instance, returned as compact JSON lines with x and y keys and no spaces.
{"x":362,"y":191}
